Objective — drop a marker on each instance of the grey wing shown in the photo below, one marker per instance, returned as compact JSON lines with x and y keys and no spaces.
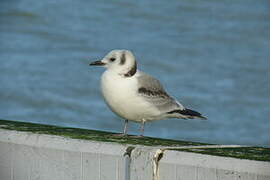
{"x":153,"y":92}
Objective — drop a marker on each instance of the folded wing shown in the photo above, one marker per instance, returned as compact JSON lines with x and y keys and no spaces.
{"x":153,"y":92}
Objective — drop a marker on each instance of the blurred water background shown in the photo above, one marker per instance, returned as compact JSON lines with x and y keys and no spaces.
{"x":214,"y":56}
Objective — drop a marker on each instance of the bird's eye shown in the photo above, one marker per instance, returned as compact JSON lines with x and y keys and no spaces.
{"x":112,"y":59}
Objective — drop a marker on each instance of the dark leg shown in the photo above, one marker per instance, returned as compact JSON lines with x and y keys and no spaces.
{"x":125,"y":127}
{"x":142,"y":128}
{"x":125,"y":130}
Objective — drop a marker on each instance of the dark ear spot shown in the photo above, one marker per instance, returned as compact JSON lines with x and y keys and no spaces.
{"x":132,"y":71}
{"x":123,"y":59}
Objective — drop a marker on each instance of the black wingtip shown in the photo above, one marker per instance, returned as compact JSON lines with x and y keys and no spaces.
{"x":202,"y":117}
{"x":188,"y":112}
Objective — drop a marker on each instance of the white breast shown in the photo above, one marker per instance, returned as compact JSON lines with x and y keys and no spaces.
{"x":120,"y":93}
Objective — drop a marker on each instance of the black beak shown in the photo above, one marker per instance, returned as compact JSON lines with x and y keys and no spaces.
{"x":97,"y":63}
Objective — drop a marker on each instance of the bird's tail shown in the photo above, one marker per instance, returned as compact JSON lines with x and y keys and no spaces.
{"x":187,"y":114}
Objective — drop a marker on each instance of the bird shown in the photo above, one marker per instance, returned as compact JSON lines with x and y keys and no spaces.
{"x":136,"y":96}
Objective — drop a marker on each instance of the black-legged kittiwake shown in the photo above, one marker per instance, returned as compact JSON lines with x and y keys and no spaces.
{"x":135,"y":95}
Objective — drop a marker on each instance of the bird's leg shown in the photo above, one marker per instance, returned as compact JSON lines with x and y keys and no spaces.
{"x":125,"y":130}
{"x":142,"y":128}
{"x":125,"y":127}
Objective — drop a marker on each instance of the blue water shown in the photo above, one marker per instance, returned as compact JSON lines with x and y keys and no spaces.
{"x":211,"y":55}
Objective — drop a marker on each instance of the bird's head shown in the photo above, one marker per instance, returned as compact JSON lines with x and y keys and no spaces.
{"x":120,"y":61}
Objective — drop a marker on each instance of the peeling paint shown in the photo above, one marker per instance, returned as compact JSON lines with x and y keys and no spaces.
{"x":129,"y":150}
{"x":127,"y":156}
{"x":157,"y":156}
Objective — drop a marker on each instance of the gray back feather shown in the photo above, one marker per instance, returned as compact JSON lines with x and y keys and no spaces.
{"x":153,"y":92}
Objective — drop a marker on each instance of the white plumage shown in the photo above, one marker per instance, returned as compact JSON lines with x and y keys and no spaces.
{"x":135,"y":95}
